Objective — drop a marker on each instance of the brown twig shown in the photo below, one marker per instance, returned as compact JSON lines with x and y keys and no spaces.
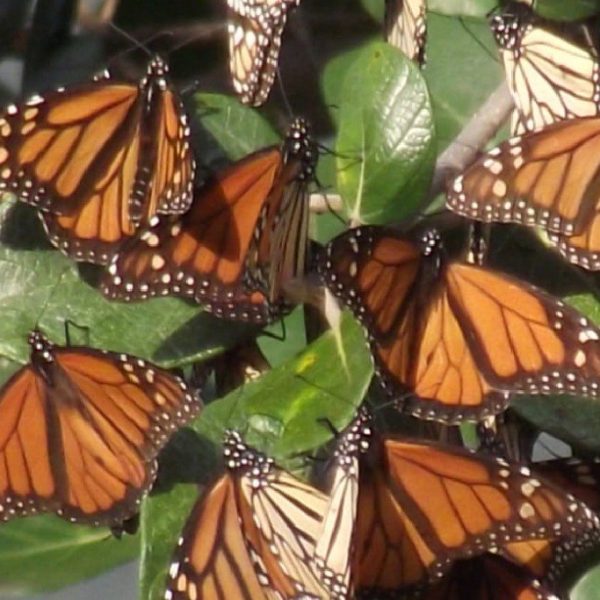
{"x":475,"y":135}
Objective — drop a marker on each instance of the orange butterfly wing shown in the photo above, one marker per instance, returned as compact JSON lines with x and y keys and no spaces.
{"x":421,"y":354}
{"x":525,"y":340}
{"x":450,"y":340}
{"x":202,"y":254}
{"x":98,"y":159}
{"x":212,"y":559}
{"x":80,"y":430}
{"x":253,"y":534}
{"x":255,"y":31}
{"x":548,"y":178}
{"x":426,"y":505}
{"x":486,"y":577}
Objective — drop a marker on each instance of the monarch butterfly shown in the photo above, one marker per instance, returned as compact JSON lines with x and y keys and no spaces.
{"x":450,"y":340}
{"x":485,"y":577}
{"x":549,"y":76}
{"x":410,"y":508}
{"x":406,"y":27}
{"x":423,"y":505}
{"x":255,"y":29}
{"x":251,"y":536}
{"x":548,"y":178}
{"x":80,"y":430}
{"x":243,"y":238}
{"x":98,"y":159}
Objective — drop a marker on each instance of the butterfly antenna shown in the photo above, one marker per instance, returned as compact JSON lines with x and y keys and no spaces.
{"x":135,"y":42}
{"x":286,"y":102}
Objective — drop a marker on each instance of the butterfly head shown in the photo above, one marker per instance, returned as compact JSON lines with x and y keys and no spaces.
{"x":299,"y":145}
{"x":42,"y":349}
{"x":240,"y":457}
{"x":509,"y":26}
{"x":157,"y":72}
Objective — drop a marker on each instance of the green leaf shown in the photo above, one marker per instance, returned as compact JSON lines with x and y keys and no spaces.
{"x":567,"y":11}
{"x":45,"y":553}
{"x":333,"y":78}
{"x":42,"y":288}
{"x":279,"y":413}
{"x":235,"y":128}
{"x":462,"y":71}
{"x":385,"y":142}
{"x":374,"y":8}
{"x":465,"y":8}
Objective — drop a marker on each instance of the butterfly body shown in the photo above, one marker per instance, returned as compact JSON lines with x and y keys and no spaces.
{"x":244,"y":236}
{"x":450,"y":340}
{"x":98,"y":159}
{"x":80,"y":430}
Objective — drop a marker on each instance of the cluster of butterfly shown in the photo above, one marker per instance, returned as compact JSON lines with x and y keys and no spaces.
{"x":109,"y":167}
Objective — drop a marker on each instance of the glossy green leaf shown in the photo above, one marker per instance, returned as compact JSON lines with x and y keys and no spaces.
{"x":333,"y":78}
{"x":385,"y":142}
{"x":45,"y":553}
{"x":462,"y":71}
{"x":41,"y":288}
{"x":279,"y":413}
{"x":235,"y":128}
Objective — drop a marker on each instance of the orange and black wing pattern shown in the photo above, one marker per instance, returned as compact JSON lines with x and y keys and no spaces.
{"x":98,"y":159}
{"x":548,"y":178}
{"x":255,"y":30}
{"x":423,"y":505}
{"x":208,"y":253}
{"x":252,"y":536}
{"x":212,"y":559}
{"x":485,"y":577}
{"x":80,"y":430}
{"x":451,"y":340}
{"x":278,"y":249}
{"x":421,"y":354}
{"x":406,"y":27}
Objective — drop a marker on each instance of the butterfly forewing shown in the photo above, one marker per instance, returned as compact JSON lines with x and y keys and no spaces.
{"x":98,"y":159}
{"x":537,"y":344}
{"x":211,"y":559}
{"x":81,"y":432}
{"x":427,"y":505}
{"x":406,"y":27}
{"x":278,"y":249}
{"x":551,"y":76}
{"x":253,"y":534}
{"x":255,"y":29}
